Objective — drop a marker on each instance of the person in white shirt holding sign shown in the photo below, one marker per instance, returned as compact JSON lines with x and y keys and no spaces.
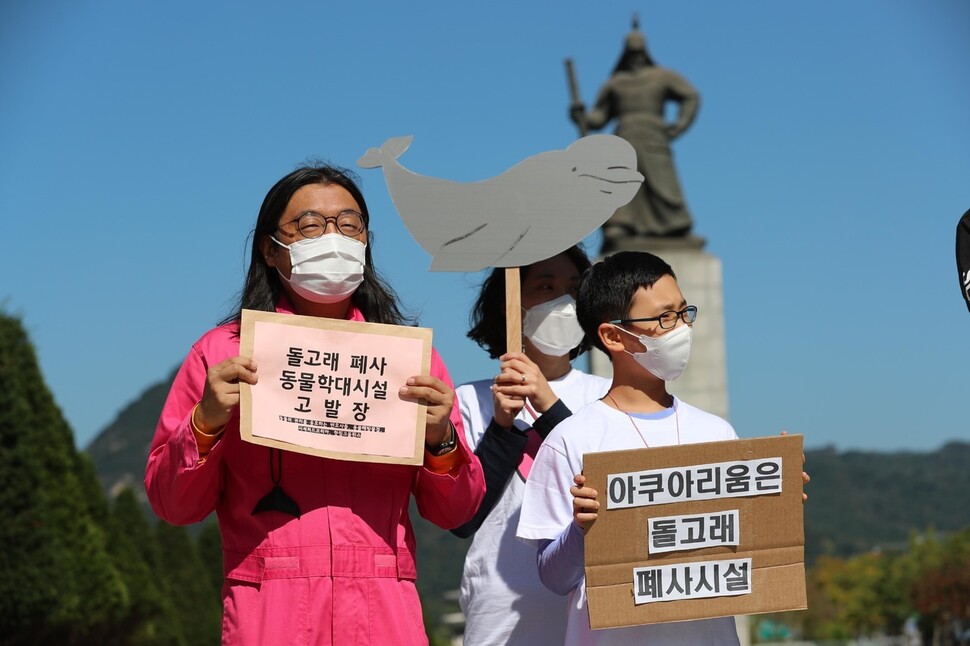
{"x":505,"y":420}
{"x":632,"y":308}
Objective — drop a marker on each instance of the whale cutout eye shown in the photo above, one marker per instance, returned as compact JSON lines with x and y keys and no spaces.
{"x":574,"y":169}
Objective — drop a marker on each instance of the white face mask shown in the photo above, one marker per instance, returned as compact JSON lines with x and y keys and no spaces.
{"x":325,"y":269}
{"x":552,"y":326}
{"x":666,"y":355}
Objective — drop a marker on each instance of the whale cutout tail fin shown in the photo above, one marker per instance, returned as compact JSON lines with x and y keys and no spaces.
{"x":396,"y":146}
{"x":371,"y":159}
{"x":393,"y":147}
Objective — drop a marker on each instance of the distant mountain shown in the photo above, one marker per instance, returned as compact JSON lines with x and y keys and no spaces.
{"x":858,"y":501}
{"x":120,"y":451}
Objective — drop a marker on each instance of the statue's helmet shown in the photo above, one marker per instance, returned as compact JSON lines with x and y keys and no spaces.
{"x":635,"y":41}
{"x":635,"y":47}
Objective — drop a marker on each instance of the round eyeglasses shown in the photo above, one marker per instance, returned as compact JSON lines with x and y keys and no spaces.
{"x":313,"y":225}
{"x":668,"y":319}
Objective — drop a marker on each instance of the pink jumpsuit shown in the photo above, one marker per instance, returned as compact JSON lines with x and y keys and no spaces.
{"x":341,"y":573}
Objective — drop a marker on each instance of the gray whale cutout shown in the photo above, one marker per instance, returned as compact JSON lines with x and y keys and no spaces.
{"x":540,"y":207}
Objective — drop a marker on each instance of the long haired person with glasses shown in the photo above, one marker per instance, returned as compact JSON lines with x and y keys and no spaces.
{"x":315,"y":550}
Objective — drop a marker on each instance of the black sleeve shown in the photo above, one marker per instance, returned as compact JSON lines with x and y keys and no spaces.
{"x":499,"y":452}
{"x":549,"y":419}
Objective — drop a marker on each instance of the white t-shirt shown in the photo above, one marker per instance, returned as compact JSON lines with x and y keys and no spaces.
{"x":547,"y":507}
{"x":501,"y":595}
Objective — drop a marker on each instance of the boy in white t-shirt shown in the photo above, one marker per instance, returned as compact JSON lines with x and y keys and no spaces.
{"x":631,"y":307}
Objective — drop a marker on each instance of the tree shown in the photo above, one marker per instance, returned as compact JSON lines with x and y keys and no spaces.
{"x":941,"y":591}
{"x":151,"y":617}
{"x":186,"y":583}
{"x":59,"y":584}
{"x":877,"y":592}
{"x":848,"y":587}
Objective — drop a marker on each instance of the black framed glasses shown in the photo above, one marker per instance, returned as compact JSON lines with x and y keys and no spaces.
{"x":313,"y":225}
{"x":668,"y":319}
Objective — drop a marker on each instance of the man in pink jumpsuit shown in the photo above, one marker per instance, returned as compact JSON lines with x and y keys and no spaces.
{"x":335,"y":562}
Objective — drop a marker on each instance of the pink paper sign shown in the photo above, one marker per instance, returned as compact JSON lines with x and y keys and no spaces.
{"x":330,"y":388}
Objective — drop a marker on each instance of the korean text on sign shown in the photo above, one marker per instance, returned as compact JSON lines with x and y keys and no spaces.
{"x":674,"y":533}
{"x":696,"y":580}
{"x":331,"y":385}
{"x":698,"y":482}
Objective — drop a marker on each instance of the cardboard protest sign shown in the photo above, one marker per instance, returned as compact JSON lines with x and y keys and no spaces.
{"x":696,"y":531}
{"x":330,"y":388}
{"x":540,"y":207}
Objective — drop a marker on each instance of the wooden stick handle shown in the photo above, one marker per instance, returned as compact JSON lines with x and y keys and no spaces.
{"x":513,"y":310}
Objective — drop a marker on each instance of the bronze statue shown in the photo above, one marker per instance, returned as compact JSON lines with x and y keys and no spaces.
{"x":635,"y":96}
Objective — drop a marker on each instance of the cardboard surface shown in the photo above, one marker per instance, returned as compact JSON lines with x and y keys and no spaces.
{"x":770,"y":532}
{"x":536,"y":209}
{"x":330,"y":388}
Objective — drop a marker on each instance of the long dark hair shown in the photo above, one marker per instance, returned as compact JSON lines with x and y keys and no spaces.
{"x":488,"y":315}
{"x":374,"y":298}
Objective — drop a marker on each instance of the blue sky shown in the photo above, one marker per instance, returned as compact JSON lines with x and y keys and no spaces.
{"x":827,"y":169}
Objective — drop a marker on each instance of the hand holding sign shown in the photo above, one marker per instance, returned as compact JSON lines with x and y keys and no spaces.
{"x":585,"y":505}
{"x":505,"y":407}
{"x":220,"y":396}
{"x":439,"y":398}
{"x":521,"y":377}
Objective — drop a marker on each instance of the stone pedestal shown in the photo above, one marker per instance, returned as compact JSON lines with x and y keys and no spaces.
{"x":704,"y":382}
